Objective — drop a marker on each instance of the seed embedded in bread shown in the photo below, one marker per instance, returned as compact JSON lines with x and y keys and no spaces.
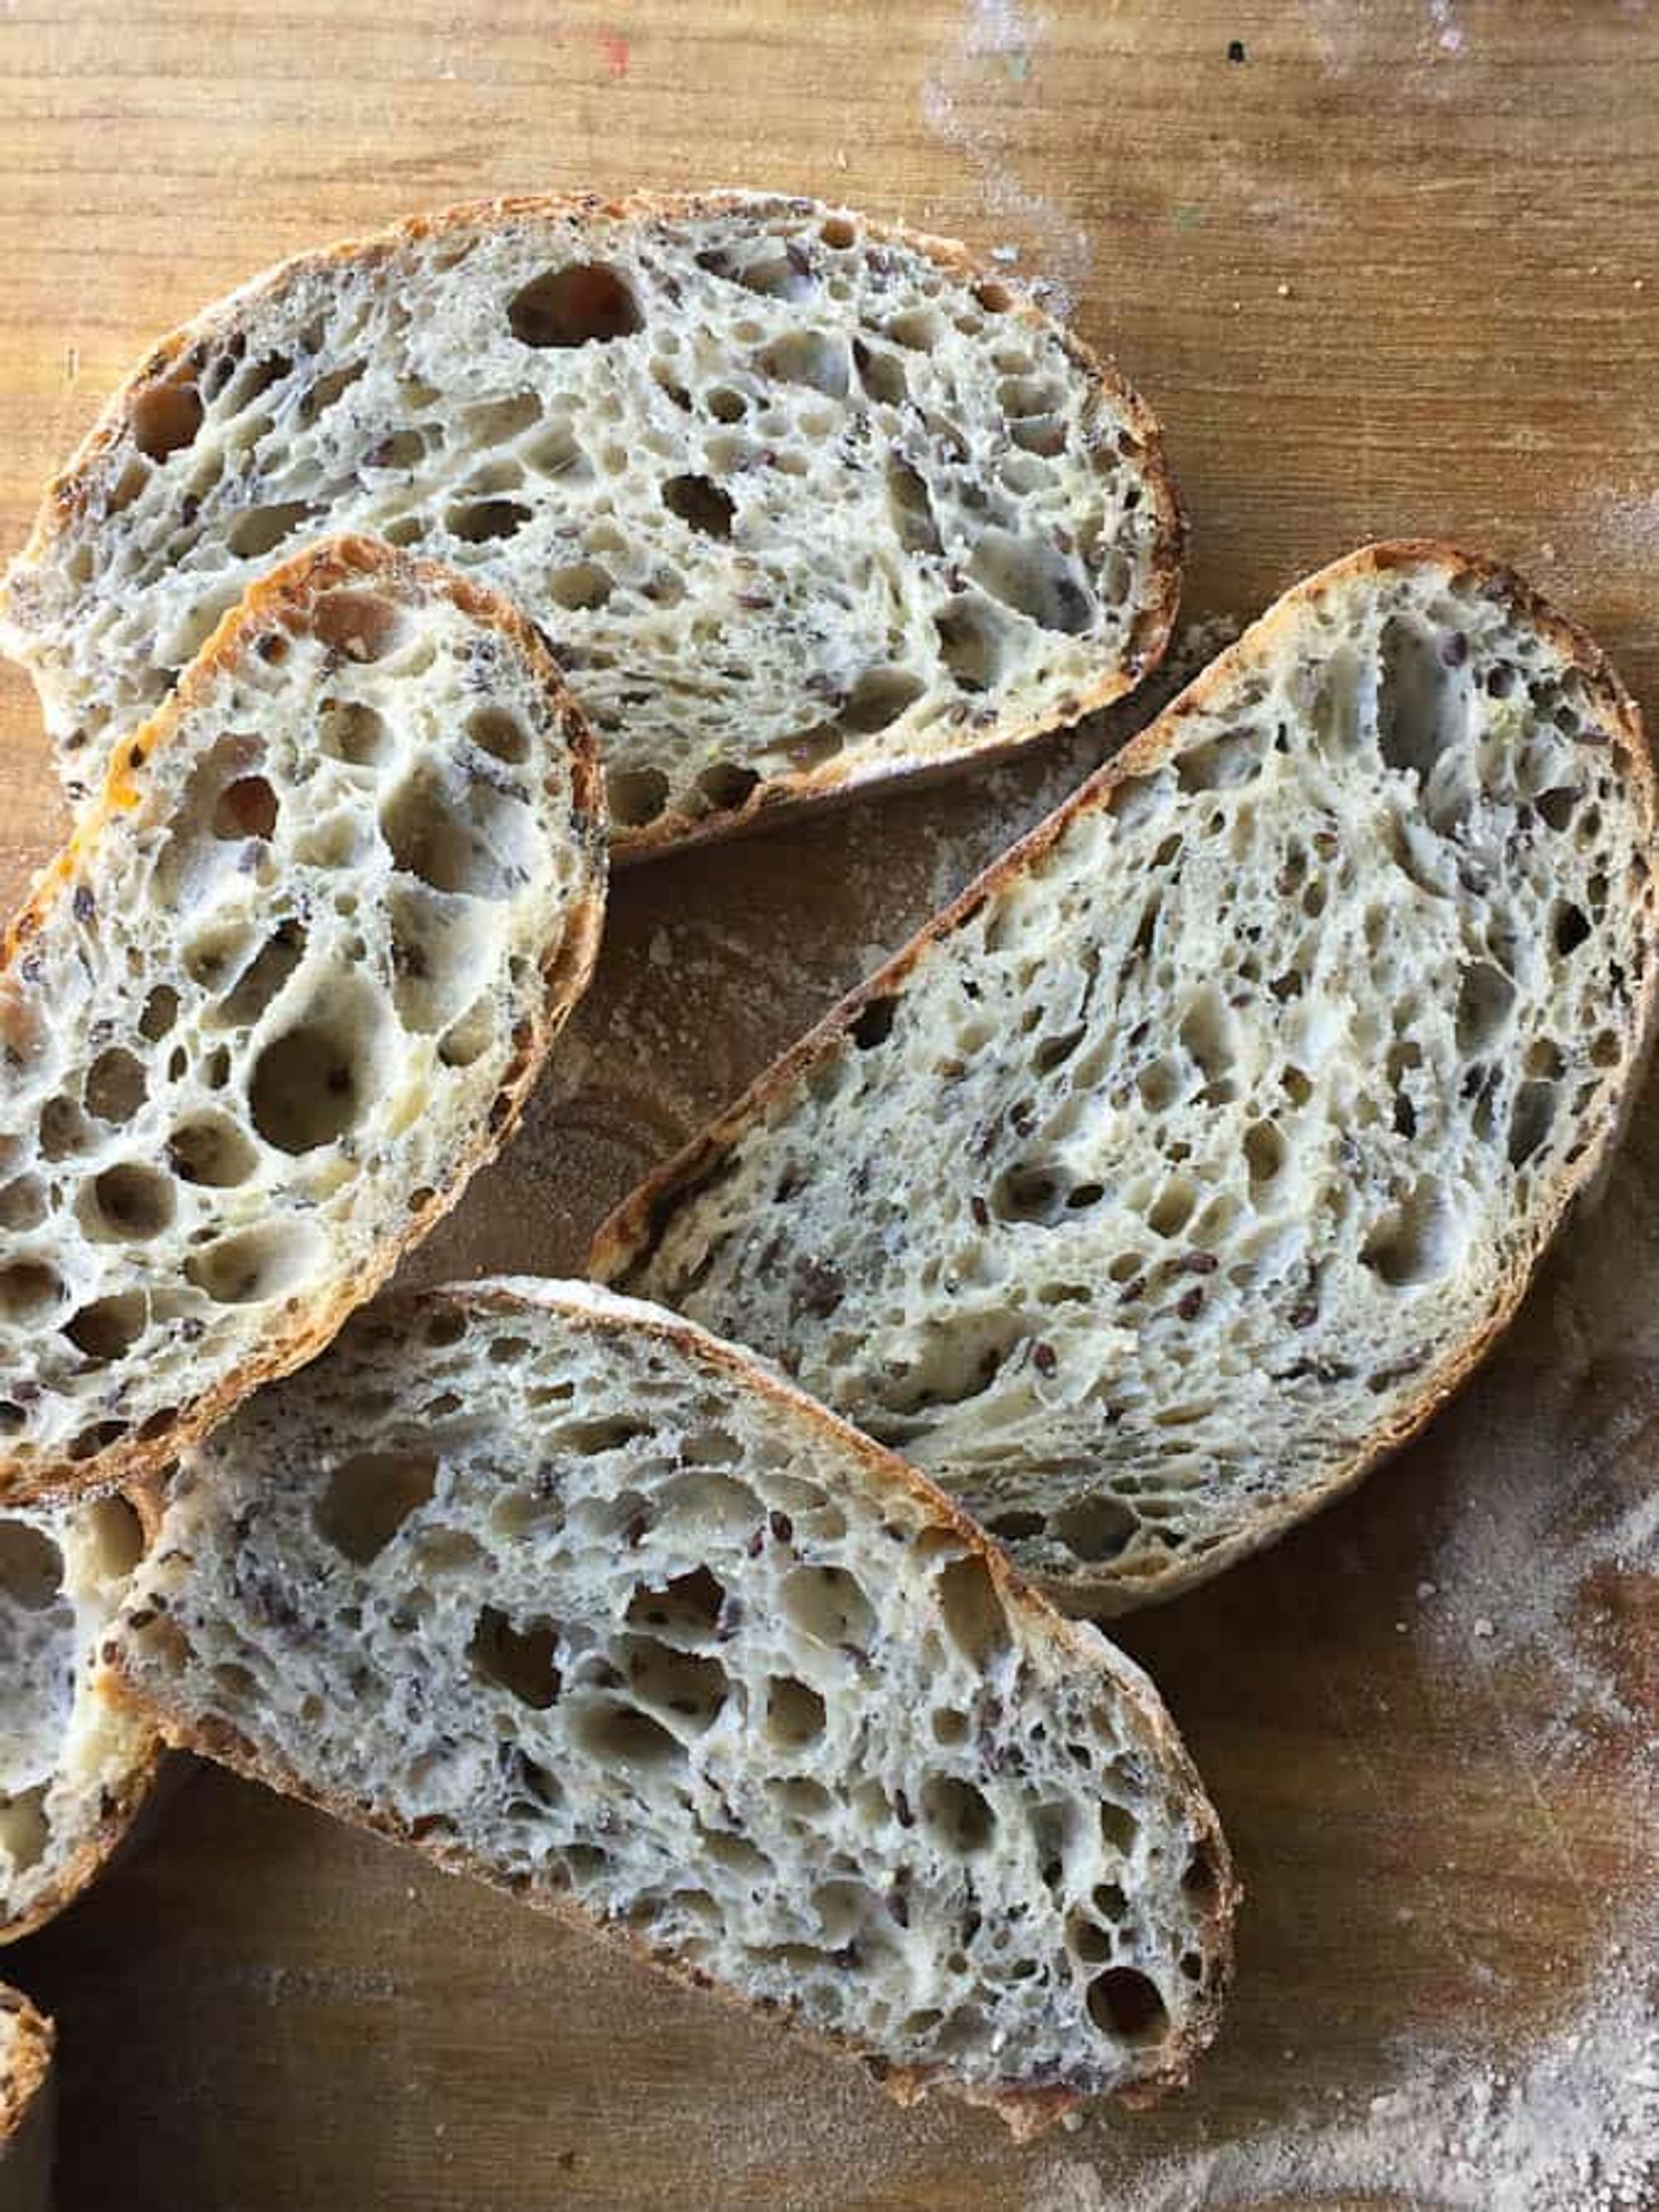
{"x":285,"y":988}
{"x":802,"y":500}
{"x":588,"y":1604}
{"x":1181,"y":1168}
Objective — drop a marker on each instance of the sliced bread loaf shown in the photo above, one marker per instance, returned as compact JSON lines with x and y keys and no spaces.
{"x":73,"y":1768}
{"x":285,"y":988}
{"x":586,"y":1603}
{"x":27,"y":2101}
{"x":803,"y":499}
{"x":1181,"y":1168}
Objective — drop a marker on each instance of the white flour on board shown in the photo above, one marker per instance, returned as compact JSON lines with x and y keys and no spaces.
{"x":971,"y":101}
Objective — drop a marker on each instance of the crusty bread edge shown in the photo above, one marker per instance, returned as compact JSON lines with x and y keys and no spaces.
{"x":121,"y":1808}
{"x":628,"y":1236}
{"x":1026,"y":2112}
{"x":284,"y":589}
{"x":800,"y":787}
{"x":22,"y":2089}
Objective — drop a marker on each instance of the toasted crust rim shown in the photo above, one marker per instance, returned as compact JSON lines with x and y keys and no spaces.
{"x":629,"y":1235}
{"x":566,"y":968}
{"x":21,"y":2085}
{"x":1026,"y":2111}
{"x":69,"y":489}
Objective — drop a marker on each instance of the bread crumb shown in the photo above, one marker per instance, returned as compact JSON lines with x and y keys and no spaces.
{"x":1484,"y":1627}
{"x":1284,"y":291}
{"x":1428,"y":1589}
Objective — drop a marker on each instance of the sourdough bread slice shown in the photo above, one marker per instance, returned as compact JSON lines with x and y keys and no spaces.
{"x":803,"y":499}
{"x":27,"y":2042}
{"x":587,"y":1604}
{"x":285,"y":988}
{"x":1180,"y":1169}
{"x":73,"y":1769}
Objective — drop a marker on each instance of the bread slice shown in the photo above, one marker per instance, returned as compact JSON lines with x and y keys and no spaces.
{"x":1180,"y":1169}
{"x":73,"y":1769}
{"x":803,"y":499}
{"x":285,"y":988}
{"x":27,"y":2042}
{"x":587,"y":1604}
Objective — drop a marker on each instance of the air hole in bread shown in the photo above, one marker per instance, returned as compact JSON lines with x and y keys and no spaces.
{"x":878,"y":698}
{"x":1028,"y":1193}
{"x":1417,"y":1241}
{"x":211,"y":1149}
{"x":129,"y":1202}
{"x":259,"y":530}
{"x":973,"y":641}
{"x":838,"y":234}
{"x":700,"y":504}
{"x":688,"y":1608}
{"x":911,"y":509}
{"x":370,"y":1496}
{"x":160,"y":1012}
{"x":29,"y":1289}
{"x":957,"y":1816}
{"x":794,"y":1713}
{"x":1200,"y":1878}
{"x":109,"y":1326}
{"x":64,"y":1129}
{"x":615,"y":1734}
{"x":22,"y":1203}
{"x":726,"y":786}
{"x":1234,"y":758}
{"x":1016,"y":1525}
{"x":246,"y":808}
{"x":828,"y":1605}
{"x":1087,"y":1941}
{"x":1486,"y":997}
{"x":874,"y":1022}
{"x":580,"y":588}
{"x":115,"y":1536}
{"x":882,"y":374}
{"x":726,"y":404}
{"x":258,"y":1265}
{"x":477,"y":841}
{"x":1035,"y":580}
{"x":116,"y":1086}
{"x":480,"y":521}
{"x":31,"y":1566}
{"x":1127,"y":2004}
{"x":918,"y":329}
{"x":25,"y":1830}
{"x":310,"y":1085}
{"x":635,"y":796}
{"x":165,"y":419}
{"x":471,"y":1036}
{"x":500,"y":734}
{"x":817,"y":359}
{"x":264,"y":976}
{"x":590,"y":303}
{"x":351,"y":730}
{"x":692,"y":1688}
{"x":1265,"y":1154}
{"x":1570,"y":927}
{"x":359,"y":625}
{"x":973,"y":1610}
{"x":1530,"y":1121}
{"x":1417,"y":705}
{"x":522,"y":1660}
{"x":1095,"y":1526}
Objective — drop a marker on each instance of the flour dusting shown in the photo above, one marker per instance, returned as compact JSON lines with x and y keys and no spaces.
{"x":971,"y":101}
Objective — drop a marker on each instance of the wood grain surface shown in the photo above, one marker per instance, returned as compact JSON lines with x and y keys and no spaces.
{"x":1393,"y":267}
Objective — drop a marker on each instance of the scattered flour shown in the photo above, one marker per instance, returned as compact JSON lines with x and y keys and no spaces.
{"x":971,"y":101}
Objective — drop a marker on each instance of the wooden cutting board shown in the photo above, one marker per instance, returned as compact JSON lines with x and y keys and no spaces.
{"x":1381,"y":268}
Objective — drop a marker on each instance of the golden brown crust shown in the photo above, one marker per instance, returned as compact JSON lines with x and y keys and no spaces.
{"x":831,"y":779}
{"x":1026,"y":2111}
{"x":627,"y":1236}
{"x":285,"y":591}
{"x":24,"y":2077}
